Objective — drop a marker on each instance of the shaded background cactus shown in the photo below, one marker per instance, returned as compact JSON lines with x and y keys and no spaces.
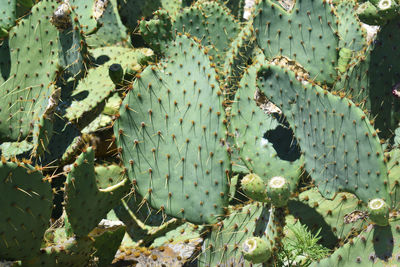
{"x":129,"y":130}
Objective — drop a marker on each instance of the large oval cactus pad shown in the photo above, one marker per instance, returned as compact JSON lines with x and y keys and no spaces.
{"x":171,"y":135}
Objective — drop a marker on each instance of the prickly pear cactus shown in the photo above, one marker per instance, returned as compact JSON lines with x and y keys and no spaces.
{"x":171,"y":134}
{"x":331,"y":131}
{"x":251,"y":123}
{"x":375,"y":246}
{"x":25,"y":203}
{"x":83,"y":196}
{"x":308,"y":34}
{"x":337,"y":218}
{"x":34,"y":64}
{"x":223,"y":246}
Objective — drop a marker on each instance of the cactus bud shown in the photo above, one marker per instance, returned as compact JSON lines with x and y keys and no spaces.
{"x":368,"y":14}
{"x":278,"y":191}
{"x":379,"y":211}
{"x":253,"y":186}
{"x":388,"y":9}
{"x":116,"y":73}
{"x":256,"y":250}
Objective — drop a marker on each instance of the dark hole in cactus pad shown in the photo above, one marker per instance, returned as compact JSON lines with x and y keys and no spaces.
{"x":102,"y":59}
{"x":284,"y":143}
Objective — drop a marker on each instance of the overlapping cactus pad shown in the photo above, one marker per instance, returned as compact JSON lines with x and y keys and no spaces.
{"x":341,"y":148}
{"x":307,"y":34}
{"x":171,"y":133}
{"x":34,"y":58}
{"x":25,"y":204}
{"x":250,"y":123}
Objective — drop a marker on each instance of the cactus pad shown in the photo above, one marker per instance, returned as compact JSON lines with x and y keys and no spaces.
{"x":308,"y":34}
{"x":86,"y":204}
{"x":332,"y":133}
{"x":171,"y":135}
{"x":25,"y":204}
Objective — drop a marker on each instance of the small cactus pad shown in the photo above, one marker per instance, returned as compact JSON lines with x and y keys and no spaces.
{"x":378,"y":211}
{"x":86,"y":204}
{"x":308,"y":35}
{"x":278,"y":191}
{"x":332,"y":133}
{"x":171,"y":134}
{"x":256,"y":250}
{"x":25,"y":204}
{"x":157,"y":32}
{"x":86,"y":13}
{"x":368,"y":13}
{"x":221,"y":26}
{"x":254,"y":187}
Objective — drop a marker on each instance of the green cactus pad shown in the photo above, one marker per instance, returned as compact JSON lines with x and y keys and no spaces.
{"x":74,"y":252}
{"x":221,"y":26}
{"x":111,"y":30}
{"x":253,"y":186}
{"x":86,"y":204}
{"x":351,"y":35}
{"x":158,"y":31}
{"x":332,"y":133}
{"x":72,"y":46}
{"x":25,"y":204}
{"x":388,"y":9}
{"x":378,"y":211}
{"x":278,"y":191}
{"x":86,"y":14}
{"x":368,"y":13}
{"x":131,"y":11}
{"x":375,"y":246}
{"x":8,"y":13}
{"x":250,"y":122}
{"x":107,"y":239}
{"x":237,"y":57}
{"x":171,"y":135}
{"x":15,"y":149}
{"x":256,"y":250}
{"x":337,"y":218}
{"x":211,"y":24}
{"x":183,"y":233}
{"x":89,"y":97}
{"x":372,"y":78}
{"x":308,"y":35}
{"x":223,"y":246}
{"x":34,"y":64}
